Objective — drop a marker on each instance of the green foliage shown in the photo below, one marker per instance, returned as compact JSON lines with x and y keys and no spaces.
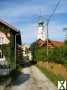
{"x":38,"y":53}
{"x":12,"y":51}
{"x":34,"y":49}
{"x":8,"y":49}
{"x":41,"y":53}
{"x":3,"y":29}
{"x":5,"y":47}
{"x":56,"y":54}
{"x":65,"y":42}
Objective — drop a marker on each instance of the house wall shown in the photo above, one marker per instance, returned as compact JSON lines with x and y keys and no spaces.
{"x":7,"y":46}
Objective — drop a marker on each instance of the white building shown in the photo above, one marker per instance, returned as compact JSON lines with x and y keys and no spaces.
{"x":26,"y":52}
{"x":41,"y":32}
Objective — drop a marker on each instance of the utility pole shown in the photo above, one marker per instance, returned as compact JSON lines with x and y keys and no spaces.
{"x":49,"y":21}
{"x":15,"y":52}
{"x":65,"y":36}
{"x":47,"y":39}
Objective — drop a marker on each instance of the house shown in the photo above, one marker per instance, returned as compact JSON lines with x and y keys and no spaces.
{"x":51,"y":43}
{"x":26,"y":52}
{"x":10,"y":38}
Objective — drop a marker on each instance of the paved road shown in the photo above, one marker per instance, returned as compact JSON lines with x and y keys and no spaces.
{"x":33,"y":79}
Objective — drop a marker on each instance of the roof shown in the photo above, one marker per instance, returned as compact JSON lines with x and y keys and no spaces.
{"x":9,"y":25}
{"x":52,"y":42}
{"x":57,"y":43}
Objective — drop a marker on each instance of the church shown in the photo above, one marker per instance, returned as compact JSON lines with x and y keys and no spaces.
{"x":42,"y":37}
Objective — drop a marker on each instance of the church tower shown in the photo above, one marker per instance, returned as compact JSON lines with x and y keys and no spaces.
{"x":41,"y":33}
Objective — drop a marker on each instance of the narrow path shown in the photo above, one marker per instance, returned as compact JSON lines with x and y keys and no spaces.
{"x":42,"y":82}
{"x":33,"y":79}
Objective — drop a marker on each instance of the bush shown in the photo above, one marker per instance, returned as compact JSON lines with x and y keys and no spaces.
{"x":56,"y":54}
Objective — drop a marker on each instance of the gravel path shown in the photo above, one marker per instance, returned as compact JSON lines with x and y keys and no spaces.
{"x":33,"y":79}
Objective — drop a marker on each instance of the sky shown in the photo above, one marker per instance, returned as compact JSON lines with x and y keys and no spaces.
{"x":24,"y":14}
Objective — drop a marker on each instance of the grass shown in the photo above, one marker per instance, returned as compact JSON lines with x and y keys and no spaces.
{"x":54,"y":78}
{"x":19,"y":68}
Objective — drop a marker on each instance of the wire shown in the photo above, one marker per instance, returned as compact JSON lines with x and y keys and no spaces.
{"x":54,"y":10}
{"x":49,"y":21}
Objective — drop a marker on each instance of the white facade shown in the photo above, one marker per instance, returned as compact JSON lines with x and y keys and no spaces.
{"x":26,"y":52}
{"x":41,"y":32}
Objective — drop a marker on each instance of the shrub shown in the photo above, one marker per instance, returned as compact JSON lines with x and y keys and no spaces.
{"x":56,"y":54}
